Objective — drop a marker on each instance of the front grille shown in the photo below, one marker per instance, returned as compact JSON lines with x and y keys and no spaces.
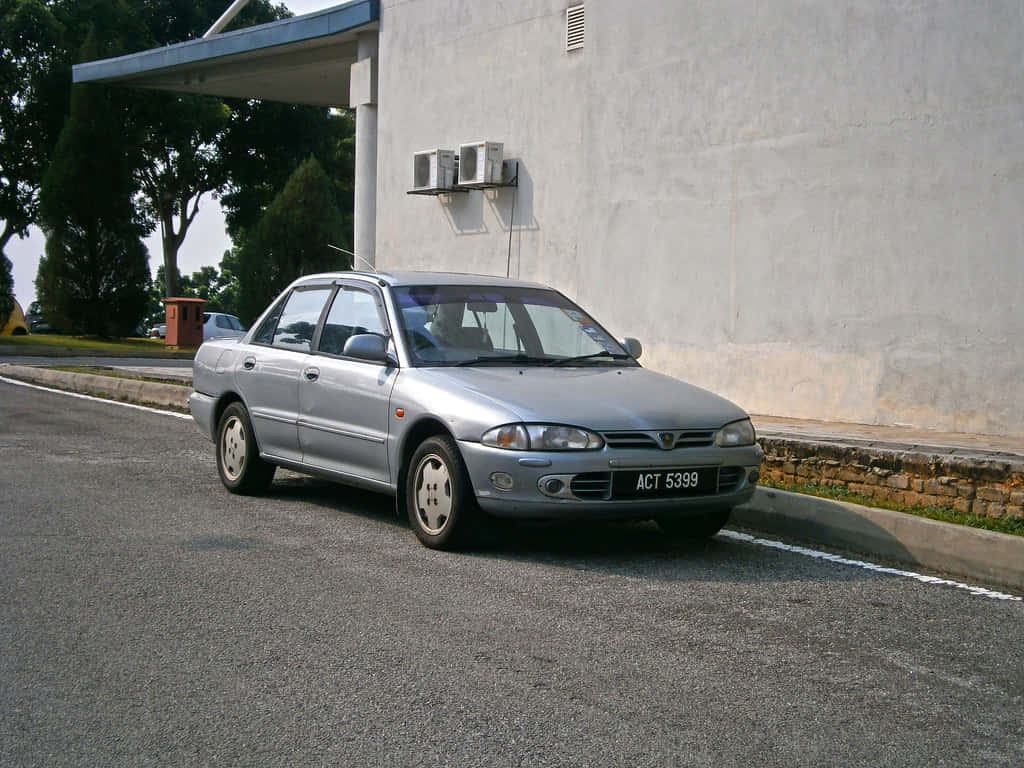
{"x":729,"y":478}
{"x":693,"y":438}
{"x":629,"y":440}
{"x":591,"y":485}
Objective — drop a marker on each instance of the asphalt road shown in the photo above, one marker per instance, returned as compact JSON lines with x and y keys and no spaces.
{"x":147,"y":617}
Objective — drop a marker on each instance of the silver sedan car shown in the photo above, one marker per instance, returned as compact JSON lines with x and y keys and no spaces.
{"x":465,"y":396}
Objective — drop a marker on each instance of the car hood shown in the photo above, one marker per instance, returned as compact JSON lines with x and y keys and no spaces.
{"x":602,"y":398}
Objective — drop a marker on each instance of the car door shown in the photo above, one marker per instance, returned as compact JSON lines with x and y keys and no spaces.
{"x":344,"y":402}
{"x":269,"y":370}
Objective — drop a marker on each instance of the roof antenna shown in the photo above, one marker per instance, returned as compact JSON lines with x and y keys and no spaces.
{"x":372,"y":268}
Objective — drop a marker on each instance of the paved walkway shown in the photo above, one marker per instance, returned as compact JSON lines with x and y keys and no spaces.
{"x":988,"y":447}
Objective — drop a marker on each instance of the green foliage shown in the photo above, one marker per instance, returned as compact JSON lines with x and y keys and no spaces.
{"x":228,"y":288}
{"x":184,"y":134}
{"x":218,"y":288}
{"x":33,"y":98}
{"x":6,"y":290}
{"x":94,"y":275}
{"x":172,"y":21}
{"x":291,"y":239}
{"x":266,"y":142}
{"x":180,"y":162}
{"x":179,"y":146}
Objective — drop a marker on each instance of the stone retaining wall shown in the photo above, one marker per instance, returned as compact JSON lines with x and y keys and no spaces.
{"x":991,"y":486}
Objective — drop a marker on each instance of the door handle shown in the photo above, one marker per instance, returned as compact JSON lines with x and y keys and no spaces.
{"x":249,"y":363}
{"x":312,"y":374}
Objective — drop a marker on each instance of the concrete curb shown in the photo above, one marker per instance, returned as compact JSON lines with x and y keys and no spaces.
{"x":128,"y":390}
{"x":993,"y":558}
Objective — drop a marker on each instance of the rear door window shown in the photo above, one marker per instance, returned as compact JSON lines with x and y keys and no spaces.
{"x":299,"y":318}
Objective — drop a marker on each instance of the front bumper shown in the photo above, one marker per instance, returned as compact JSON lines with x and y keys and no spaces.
{"x":737,"y":471}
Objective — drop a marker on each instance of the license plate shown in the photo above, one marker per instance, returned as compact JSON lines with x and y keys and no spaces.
{"x":660,"y":483}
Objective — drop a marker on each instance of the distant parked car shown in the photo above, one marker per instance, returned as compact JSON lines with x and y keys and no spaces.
{"x":158,"y":331}
{"x":217,"y":325}
{"x":37,"y":323}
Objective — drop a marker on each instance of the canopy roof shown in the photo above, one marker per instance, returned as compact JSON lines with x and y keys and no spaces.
{"x":302,"y":60}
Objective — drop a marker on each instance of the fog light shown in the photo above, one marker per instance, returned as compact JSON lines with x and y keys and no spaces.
{"x":502,"y":481}
{"x":753,"y":476}
{"x":553,"y":486}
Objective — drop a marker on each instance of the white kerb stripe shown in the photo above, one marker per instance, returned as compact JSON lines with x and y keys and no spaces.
{"x":982,"y":591}
{"x":97,"y":399}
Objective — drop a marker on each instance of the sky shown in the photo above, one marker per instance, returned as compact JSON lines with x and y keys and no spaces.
{"x":204,"y":245}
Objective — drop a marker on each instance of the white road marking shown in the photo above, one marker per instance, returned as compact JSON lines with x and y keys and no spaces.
{"x":97,"y":399}
{"x":734,"y":535}
{"x":981,"y":591}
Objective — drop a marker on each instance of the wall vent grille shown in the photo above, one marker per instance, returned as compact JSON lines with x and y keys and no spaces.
{"x":574,"y":27}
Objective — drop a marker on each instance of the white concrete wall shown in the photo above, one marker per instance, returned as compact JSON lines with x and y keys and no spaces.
{"x":813,"y":208}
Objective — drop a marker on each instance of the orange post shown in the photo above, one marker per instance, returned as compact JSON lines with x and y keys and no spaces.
{"x":184,"y":321}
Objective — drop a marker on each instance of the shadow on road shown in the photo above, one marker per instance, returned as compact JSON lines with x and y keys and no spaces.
{"x":338,"y":500}
{"x":632,"y":548}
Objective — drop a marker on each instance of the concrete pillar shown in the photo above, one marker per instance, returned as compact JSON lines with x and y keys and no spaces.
{"x":363,"y":96}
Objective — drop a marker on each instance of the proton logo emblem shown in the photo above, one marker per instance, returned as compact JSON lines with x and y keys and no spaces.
{"x":667,"y":440}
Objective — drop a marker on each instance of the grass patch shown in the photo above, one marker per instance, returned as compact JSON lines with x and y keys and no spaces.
{"x":1010,"y":525}
{"x":51,"y":343}
{"x":99,"y":370}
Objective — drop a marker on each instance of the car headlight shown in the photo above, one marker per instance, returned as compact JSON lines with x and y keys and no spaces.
{"x":735,"y":434}
{"x":542,"y":437}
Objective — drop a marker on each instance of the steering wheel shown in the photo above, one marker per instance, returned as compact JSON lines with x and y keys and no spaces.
{"x":420,"y":341}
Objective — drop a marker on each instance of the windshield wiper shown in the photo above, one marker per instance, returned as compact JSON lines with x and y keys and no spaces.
{"x":602,"y":353}
{"x":520,"y":358}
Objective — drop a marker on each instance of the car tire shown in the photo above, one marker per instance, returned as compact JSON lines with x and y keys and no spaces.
{"x":438,"y":497}
{"x":702,"y":526}
{"x":238,"y":457}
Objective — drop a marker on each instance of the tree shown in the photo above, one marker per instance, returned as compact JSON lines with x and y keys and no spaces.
{"x":291,"y":239}
{"x":186,"y":145}
{"x":183,"y":133}
{"x":94,"y":274}
{"x":181,"y":166}
{"x":219,"y":289}
{"x":32,"y":104}
{"x":6,"y":290}
{"x":229,"y":289}
{"x":264,"y":144}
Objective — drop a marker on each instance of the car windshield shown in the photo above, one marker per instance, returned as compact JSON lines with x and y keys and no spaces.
{"x":501,"y":325}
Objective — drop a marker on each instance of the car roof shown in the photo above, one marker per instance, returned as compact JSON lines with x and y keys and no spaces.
{"x":411,"y":277}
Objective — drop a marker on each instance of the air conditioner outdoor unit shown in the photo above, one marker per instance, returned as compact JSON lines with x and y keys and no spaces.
{"x":480,"y":163}
{"x":433,"y":169}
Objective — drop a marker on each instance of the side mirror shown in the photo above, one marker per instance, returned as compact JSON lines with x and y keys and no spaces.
{"x":634,"y":347}
{"x":367,"y":346}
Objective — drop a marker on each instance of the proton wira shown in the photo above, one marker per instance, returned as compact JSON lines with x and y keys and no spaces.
{"x":465,"y":396}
